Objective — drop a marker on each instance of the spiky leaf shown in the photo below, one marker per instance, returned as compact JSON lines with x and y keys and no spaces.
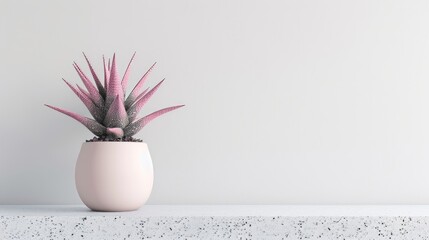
{"x":91,"y":124}
{"x":115,"y":87}
{"x":83,"y":91}
{"x":115,"y":132}
{"x":93,"y":92}
{"x":127,"y":74}
{"x":116,"y":117}
{"x":106,"y":74}
{"x":134,"y":110}
{"x":138,"y":98}
{"x":96,"y":112}
{"x":100,"y":87}
{"x":135,"y":127}
{"x":135,"y":92}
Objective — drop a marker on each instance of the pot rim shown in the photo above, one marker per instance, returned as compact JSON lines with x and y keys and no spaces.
{"x":113,"y":142}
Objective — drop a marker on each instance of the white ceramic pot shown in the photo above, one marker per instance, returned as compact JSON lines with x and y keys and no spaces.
{"x":114,"y":176}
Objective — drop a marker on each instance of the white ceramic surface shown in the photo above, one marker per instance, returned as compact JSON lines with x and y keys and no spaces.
{"x":114,"y":176}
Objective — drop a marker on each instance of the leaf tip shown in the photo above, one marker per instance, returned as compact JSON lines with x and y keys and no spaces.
{"x":49,"y":106}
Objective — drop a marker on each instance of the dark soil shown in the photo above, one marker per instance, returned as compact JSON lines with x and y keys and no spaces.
{"x":109,"y":139}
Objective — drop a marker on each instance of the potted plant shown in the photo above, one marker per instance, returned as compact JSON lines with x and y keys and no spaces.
{"x":114,"y":170}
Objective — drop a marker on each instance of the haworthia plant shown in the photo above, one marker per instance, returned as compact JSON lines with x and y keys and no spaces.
{"x":115,"y":115}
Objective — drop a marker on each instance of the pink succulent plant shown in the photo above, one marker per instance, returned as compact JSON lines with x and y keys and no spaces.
{"x":115,"y":115}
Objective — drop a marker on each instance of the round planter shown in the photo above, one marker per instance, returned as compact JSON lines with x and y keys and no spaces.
{"x":114,"y":176}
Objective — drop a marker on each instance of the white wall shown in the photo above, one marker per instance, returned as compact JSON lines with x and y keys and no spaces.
{"x":287,"y":101}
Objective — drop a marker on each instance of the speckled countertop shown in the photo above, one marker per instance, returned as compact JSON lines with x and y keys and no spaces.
{"x":216,"y":222}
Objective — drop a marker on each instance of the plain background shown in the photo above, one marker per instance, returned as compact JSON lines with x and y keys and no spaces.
{"x":288,"y":102}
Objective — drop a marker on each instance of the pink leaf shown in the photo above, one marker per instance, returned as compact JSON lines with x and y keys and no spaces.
{"x":135,"y":109}
{"x":92,"y":125}
{"x":93,"y":92}
{"x":127,"y":74}
{"x":135,"y":92}
{"x":83,"y":91}
{"x":135,"y":127}
{"x":106,"y":74}
{"x":116,"y":117}
{"x":100,"y":87}
{"x":138,"y":98}
{"x":95,"y":112}
{"x":115,"y":87}
{"x":115,"y":132}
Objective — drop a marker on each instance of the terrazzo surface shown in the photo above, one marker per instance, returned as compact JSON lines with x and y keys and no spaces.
{"x":216,"y":222}
{"x":109,"y":227}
